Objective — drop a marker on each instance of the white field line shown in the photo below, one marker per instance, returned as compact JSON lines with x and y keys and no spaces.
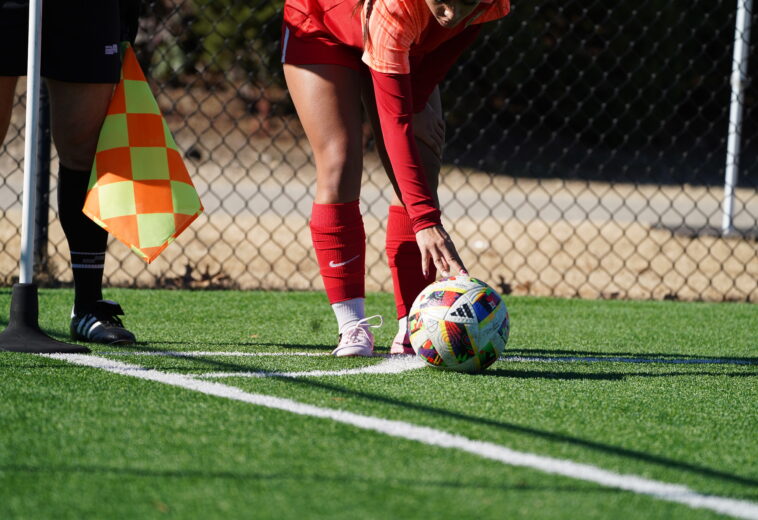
{"x":595,"y":359}
{"x":514,"y":359}
{"x":425,"y":435}
{"x":393,"y":365}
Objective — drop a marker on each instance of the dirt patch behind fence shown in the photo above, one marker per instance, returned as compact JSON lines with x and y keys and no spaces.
{"x":569,"y":259}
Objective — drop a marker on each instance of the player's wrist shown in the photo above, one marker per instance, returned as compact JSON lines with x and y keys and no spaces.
{"x":426,"y":219}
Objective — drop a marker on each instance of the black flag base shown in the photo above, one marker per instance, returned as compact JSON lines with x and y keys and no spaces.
{"x":23,"y":333}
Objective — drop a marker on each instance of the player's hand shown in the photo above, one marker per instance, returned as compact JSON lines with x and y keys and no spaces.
{"x":429,"y":128}
{"x":436,"y":246}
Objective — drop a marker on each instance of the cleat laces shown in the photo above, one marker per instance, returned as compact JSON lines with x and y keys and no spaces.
{"x":359,"y":333}
{"x":358,"y":340}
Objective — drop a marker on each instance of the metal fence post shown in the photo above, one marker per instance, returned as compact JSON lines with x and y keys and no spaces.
{"x":739,"y":77}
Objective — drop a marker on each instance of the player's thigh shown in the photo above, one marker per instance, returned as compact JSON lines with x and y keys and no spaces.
{"x":78,"y":111}
{"x":7,"y":91}
{"x":328,"y":102}
{"x":429,"y":130}
{"x":429,"y":124}
{"x":431,"y":161}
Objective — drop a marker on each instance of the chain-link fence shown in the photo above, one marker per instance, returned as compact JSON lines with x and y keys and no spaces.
{"x":586,"y":152}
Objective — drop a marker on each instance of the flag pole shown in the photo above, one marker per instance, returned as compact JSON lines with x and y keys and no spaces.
{"x":30,"y":143}
{"x":23,"y":333}
{"x":739,"y":79}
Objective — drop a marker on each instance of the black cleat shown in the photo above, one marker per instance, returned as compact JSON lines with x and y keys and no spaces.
{"x":99,"y":322}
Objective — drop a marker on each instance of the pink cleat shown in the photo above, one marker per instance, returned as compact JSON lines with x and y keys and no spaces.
{"x":401,"y":344}
{"x":358,"y":340}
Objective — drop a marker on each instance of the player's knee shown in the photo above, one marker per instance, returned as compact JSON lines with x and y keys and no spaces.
{"x":76,"y":150}
{"x":77,"y":159}
{"x":338,"y":180}
{"x":337,"y":188}
{"x":339,"y":159}
{"x":77,"y":162}
{"x":434,"y":131}
{"x":429,"y":127}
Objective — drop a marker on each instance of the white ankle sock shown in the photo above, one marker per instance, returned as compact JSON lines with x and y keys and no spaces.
{"x":349,"y":312}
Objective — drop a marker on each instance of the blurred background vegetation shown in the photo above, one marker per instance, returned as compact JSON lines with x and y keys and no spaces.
{"x":637,"y":76}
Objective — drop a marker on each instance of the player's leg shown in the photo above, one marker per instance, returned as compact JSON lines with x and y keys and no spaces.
{"x":14,"y":30}
{"x":7,"y":91}
{"x":78,"y":110}
{"x":328,"y":103}
{"x":403,"y":254}
{"x":81,"y":63}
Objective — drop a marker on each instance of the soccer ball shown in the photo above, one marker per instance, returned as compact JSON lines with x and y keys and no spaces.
{"x":459,"y":323}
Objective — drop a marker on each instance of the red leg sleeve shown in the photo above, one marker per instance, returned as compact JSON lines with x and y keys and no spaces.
{"x":404,"y":258}
{"x":340,"y":243}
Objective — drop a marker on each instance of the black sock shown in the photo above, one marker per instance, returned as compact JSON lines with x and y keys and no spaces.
{"x":86,"y":240}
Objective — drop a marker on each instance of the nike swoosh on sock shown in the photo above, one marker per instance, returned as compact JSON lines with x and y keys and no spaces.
{"x":332,"y":263}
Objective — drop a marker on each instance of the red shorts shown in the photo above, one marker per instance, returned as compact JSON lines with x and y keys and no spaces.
{"x":299,"y":49}
{"x":328,"y":32}
{"x":322,"y":32}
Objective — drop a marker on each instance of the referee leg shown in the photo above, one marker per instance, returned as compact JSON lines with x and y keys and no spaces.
{"x":78,"y":111}
{"x":7,"y":91}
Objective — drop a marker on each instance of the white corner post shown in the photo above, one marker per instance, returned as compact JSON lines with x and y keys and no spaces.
{"x":738,"y":80}
{"x":23,"y":333}
{"x":30,"y":143}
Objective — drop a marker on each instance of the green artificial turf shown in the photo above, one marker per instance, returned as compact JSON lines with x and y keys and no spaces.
{"x":662,"y":390}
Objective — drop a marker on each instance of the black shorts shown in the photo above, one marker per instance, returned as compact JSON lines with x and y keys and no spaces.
{"x":80,"y":38}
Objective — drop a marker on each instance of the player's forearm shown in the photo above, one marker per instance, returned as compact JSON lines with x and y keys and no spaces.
{"x":395,"y":106}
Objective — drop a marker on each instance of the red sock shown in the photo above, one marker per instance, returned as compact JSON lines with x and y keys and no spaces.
{"x":404,"y":259}
{"x":340,"y":243}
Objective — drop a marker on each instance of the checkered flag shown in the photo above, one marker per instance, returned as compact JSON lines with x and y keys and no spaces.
{"x":139,"y":189}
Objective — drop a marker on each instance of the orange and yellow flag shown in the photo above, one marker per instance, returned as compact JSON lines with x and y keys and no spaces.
{"x":140,"y":190}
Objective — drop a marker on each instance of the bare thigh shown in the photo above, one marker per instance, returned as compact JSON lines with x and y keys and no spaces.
{"x":328,"y":103}
{"x":78,"y":111}
{"x":7,"y":91}
{"x":431,"y":160}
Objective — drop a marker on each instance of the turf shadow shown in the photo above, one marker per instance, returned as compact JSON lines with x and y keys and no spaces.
{"x":609,"y":376}
{"x":347,"y":479}
{"x":501,"y":425}
{"x":507,"y":426}
{"x":298,"y":346}
{"x":632,"y":355}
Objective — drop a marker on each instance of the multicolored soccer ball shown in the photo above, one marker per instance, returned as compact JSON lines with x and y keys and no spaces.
{"x":459,"y":323}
